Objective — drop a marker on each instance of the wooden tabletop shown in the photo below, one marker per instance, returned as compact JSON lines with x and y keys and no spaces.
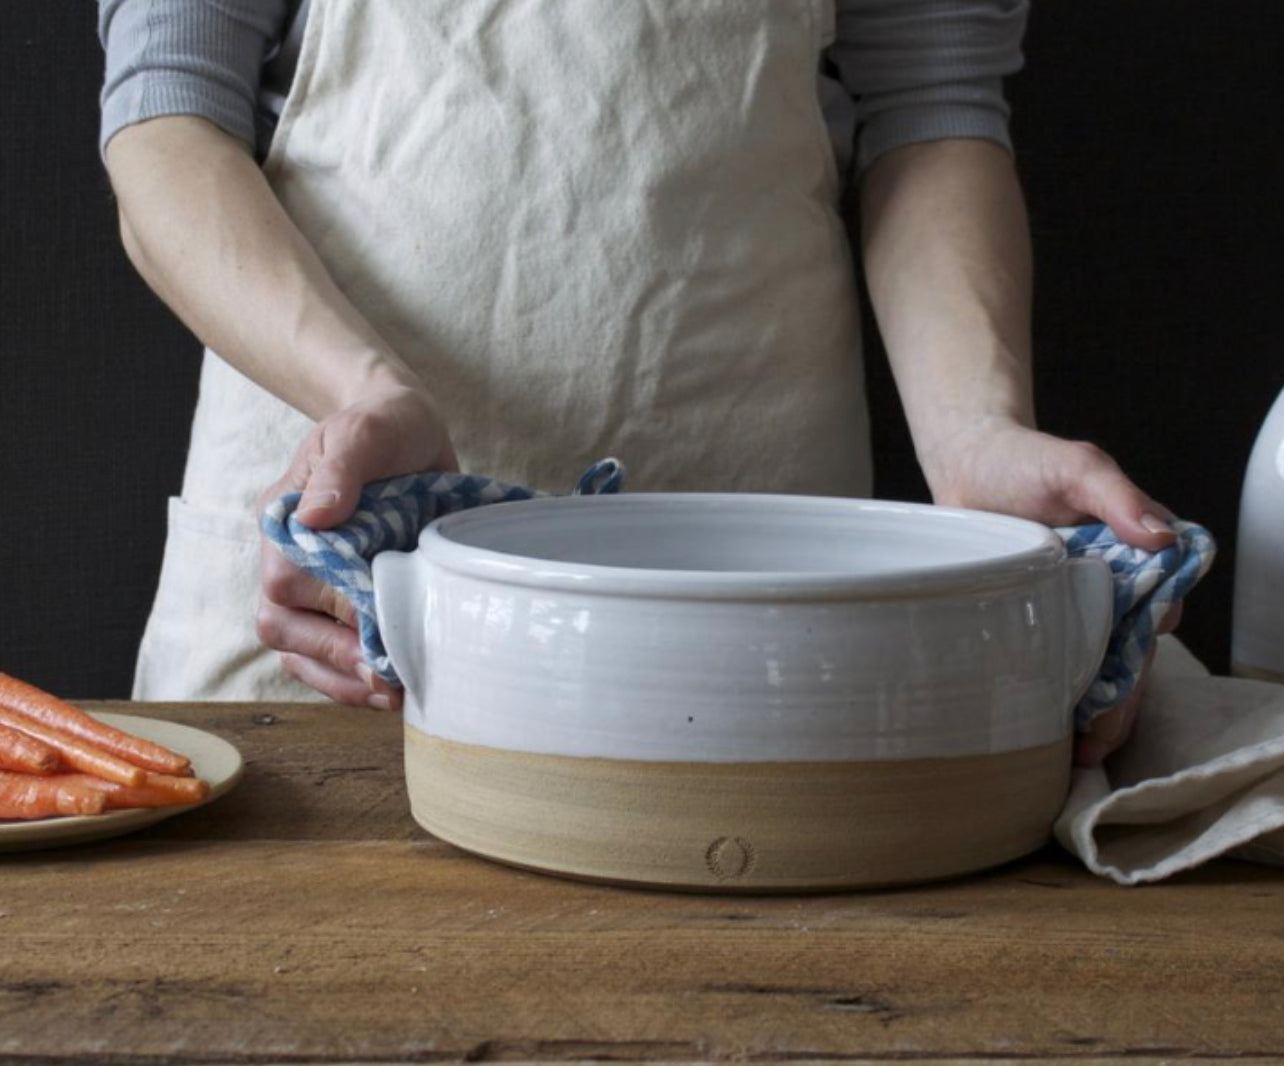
{"x":304,"y":917}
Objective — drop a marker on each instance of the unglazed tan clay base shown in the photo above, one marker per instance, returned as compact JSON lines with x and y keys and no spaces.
{"x":738,"y":827}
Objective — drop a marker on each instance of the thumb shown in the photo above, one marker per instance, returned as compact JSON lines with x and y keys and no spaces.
{"x":329,"y":497}
{"x":1108,"y":493}
{"x":339,"y":471}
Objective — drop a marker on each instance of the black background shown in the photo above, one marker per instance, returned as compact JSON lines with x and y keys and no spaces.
{"x":1149,"y":141}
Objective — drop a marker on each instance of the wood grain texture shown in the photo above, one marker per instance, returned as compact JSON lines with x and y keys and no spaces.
{"x":339,"y":932}
{"x":738,"y":827}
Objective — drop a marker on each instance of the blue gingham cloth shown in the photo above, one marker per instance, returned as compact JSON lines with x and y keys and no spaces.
{"x":391,"y":513}
{"x":1146,"y":585}
{"x":388,"y":517}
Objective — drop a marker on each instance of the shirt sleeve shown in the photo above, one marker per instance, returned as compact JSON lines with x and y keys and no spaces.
{"x":923,"y":70}
{"x":185,"y":57}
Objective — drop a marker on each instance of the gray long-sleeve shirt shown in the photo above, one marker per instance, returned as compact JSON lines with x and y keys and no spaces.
{"x":899,"y":71}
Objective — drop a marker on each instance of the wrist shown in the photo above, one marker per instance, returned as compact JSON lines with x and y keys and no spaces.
{"x":944,"y":451}
{"x":936,"y":430}
{"x":954,"y":384}
{"x":349,"y":372}
{"x":373,"y":374}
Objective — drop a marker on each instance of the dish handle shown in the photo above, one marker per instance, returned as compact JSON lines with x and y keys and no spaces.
{"x":1091,"y":618}
{"x":399,"y":588}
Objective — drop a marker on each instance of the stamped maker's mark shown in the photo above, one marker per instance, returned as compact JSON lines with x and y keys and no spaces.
{"x":730,"y":858}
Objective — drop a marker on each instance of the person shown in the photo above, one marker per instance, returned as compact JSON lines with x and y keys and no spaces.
{"x":514,"y":238}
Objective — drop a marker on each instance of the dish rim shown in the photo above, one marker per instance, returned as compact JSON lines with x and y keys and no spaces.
{"x":1025,"y":564}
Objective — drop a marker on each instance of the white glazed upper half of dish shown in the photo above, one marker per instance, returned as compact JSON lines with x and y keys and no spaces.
{"x":741,"y":628}
{"x":741,"y":546}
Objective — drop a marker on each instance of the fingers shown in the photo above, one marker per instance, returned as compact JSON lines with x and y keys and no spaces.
{"x":1096,"y":485}
{"x":1108,"y":731}
{"x":313,"y":628}
{"x":288,"y":586}
{"x":1171,"y":619}
{"x":324,"y":654}
{"x":338,"y":686}
{"x":317,"y":636}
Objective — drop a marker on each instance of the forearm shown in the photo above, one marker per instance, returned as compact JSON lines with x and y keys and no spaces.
{"x":947,"y":259}
{"x":203,"y":227}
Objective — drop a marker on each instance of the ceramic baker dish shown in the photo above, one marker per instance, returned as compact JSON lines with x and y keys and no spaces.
{"x":740,"y":692}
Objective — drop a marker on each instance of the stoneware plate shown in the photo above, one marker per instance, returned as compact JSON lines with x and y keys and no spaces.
{"x":213,"y":758}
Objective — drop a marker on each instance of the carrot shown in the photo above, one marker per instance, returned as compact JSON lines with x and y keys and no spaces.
{"x":49,"y":710}
{"x":26,"y":754}
{"x":26,"y":796}
{"x":179,"y":789}
{"x":76,"y":753}
{"x":159,"y":790}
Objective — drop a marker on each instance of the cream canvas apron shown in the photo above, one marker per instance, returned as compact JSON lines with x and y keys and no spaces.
{"x":594,"y":228}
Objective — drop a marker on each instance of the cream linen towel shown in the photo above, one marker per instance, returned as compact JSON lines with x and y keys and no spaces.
{"x":1201,"y":776}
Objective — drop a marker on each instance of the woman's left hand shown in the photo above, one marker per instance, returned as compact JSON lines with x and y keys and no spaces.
{"x":1000,"y":465}
{"x":1109,"y":729}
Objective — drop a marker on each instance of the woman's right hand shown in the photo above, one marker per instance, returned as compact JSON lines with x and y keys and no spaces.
{"x":397,"y":431}
{"x":206,"y":230}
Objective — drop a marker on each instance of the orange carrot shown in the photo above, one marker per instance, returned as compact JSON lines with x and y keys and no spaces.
{"x":76,"y":753}
{"x":26,"y":796}
{"x":180,"y":789}
{"x":50,"y":711}
{"x":158,"y":791}
{"x":25,"y":754}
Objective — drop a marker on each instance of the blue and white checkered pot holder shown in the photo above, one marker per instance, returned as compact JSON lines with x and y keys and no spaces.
{"x":391,"y":513}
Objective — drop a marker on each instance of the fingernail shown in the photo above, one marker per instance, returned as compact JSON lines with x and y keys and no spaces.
{"x":1154,"y":524}
{"x":317,"y":500}
{"x":379,"y":701}
{"x":366,"y":674}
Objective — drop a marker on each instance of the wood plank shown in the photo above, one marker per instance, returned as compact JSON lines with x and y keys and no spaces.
{"x":1137,"y":1060}
{"x":305,"y":916}
{"x":152,"y":950}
